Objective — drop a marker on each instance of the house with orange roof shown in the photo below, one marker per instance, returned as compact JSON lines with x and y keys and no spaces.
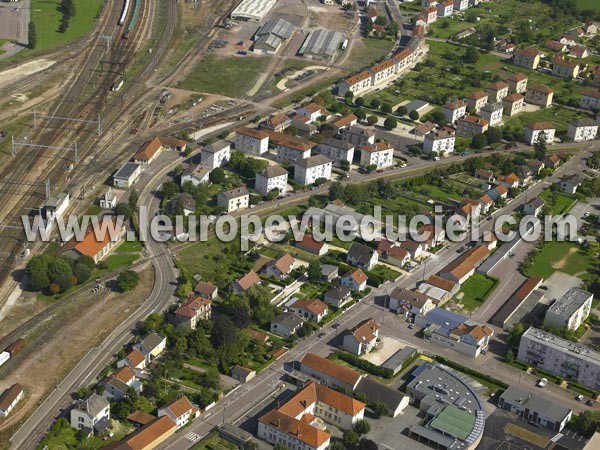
{"x":344,"y":122}
{"x":153,"y":148}
{"x":329,"y":373}
{"x":96,"y":247}
{"x":281,"y":268}
{"x":206,"y":289}
{"x":459,"y":270}
{"x":500,"y":191}
{"x":510,"y":181}
{"x":246,"y":282}
{"x":380,"y":154}
{"x":487,"y":203}
{"x":355,"y":84}
{"x":148,"y":436}
{"x":117,"y":384}
{"x":429,"y":15}
{"x":556,"y":46}
{"x":469,"y":209}
{"x":192,"y":311}
{"x":134,"y":360}
{"x":251,"y":141}
{"x":454,"y":110}
{"x":497,"y":91}
{"x":309,"y":244}
{"x":355,"y":280}
{"x":517,"y":83}
{"x":513,"y":104}
{"x":362,"y":338}
{"x":552,"y":161}
{"x":310,"y":309}
{"x":538,"y":94}
{"x":277,"y":122}
{"x":477,"y":100}
{"x":313,"y":111}
{"x":180,"y":411}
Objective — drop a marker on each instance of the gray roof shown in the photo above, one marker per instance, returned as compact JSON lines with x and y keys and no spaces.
{"x":355,"y":129}
{"x":102,"y":425}
{"x":416,"y":105}
{"x":322,"y":42}
{"x":241,"y":371}
{"x":289,"y":320}
{"x":514,"y":395}
{"x":268,"y":40}
{"x":273,"y":171}
{"x":313,"y":161}
{"x":216,"y":146}
{"x":337,"y":293}
{"x":56,"y":200}
{"x":570,"y":302}
{"x":153,"y":340}
{"x":573,"y":349}
{"x":585,"y":122}
{"x":491,"y":107}
{"x":327,"y":269}
{"x":93,"y":404}
{"x":414,"y":43}
{"x":234,"y":193}
{"x":395,"y":361}
{"x":377,"y":392}
{"x":536,"y":202}
{"x":126,"y":170}
{"x":338,"y":143}
{"x":278,"y":27}
{"x":117,"y":384}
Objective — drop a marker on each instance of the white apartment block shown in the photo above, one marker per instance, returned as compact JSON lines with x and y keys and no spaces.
{"x":461,"y":5}
{"x":273,"y":177}
{"x":455,"y":110}
{"x":445,"y":9}
{"x":570,"y":310}
{"x":477,"y":100}
{"x":497,"y":91}
{"x":252,"y":141}
{"x":582,"y":130}
{"x":216,"y":154}
{"x":356,"y":83}
{"x":380,"y":154}
{"x":590,"y":99}
{"x":234,"y":199}
{"x":533,"y":130}
{"x":337,"y":150}
{"x":383,"y":71}
{"x":492,"y":112}
{"x":308,"y":170}
{"x":292,"y":150}
{"x":439,"y":142}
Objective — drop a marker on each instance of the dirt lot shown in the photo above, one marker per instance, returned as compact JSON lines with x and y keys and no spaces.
{"x":48,"y":363}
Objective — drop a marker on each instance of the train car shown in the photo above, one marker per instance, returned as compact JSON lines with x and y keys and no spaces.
{"x":345,"y":44}
{"x":4,"y":356}
{"x":124,"y":13}
{"x":15,"y":347}
{"x":117,"y":85}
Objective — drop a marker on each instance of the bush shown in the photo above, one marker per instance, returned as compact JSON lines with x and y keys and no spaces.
{"x":372,"y":120}
{"x":375,"y":103}
{"x":414,"y":115}
{"x":367,"y":366}
{"x":390,"y":123}
{"x":386,"y":108}
{"x":360,"y":102}
{"x":362,"y":427}
{"x":128,"y":280}
{"x":402,"y":111}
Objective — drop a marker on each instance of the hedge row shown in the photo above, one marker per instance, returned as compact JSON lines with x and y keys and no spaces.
{"x":362,"y":364}
{"x":470,"y":371}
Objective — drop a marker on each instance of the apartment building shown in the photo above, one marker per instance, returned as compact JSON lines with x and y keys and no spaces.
{"x":291,"y":149}
{"x":309,"y":170}
{"x":454,"y":110}
{"x":272,"y":177}
{"x":492,"y":112}
{"x":538,"y":94}
{"x":234,"y":199}
{"x":337,"y":150}
{"x":251,"y":141}
{"x":570,"y":310}
{"x":517,"y":83}
{"x":497,"y":91}
{"x":379,"y":154}
{"x":582,"y":130}
{"x":216,"y":154}
{"x":439,"y":142}
{"x":513,"y":104}
{"x":476,"y":101}
{"x":470,"y":126}
{"x":534,"y":130}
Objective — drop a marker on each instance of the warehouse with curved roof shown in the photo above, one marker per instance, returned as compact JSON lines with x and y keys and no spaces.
{"x":252,"y":10}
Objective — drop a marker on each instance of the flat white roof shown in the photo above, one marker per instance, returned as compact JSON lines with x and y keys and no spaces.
{"x":253,"y":9}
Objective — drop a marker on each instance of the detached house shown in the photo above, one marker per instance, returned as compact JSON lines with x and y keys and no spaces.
{"x":579,"y":51}
{"x":195,"y":174}
{"x":271,"y":178}
{"x":497,"y":91}
{"x":234,"y":199}
{"x":362,"y":256}
{"x":500,"y":191}
{"x":527,"y":57}
{"x":286,"y":324}
{"x":485,"y":175}
{"x":151,"y":346}
{"x":477,"y":100}
{"x":538,"y":94}
{"x":338,"y":296}
{"x":135,"y":360}
{"x":379,"y":154}
{"x":92,"y":413}
{"x":277,"y":123}
{"x":355,"y":280}
{"x":309,"y":170}
{"x":454,"y":110}
{"x":470,"y":126}
{"x":310,"y":309}
{"x":511,"y":181}
{"x":117,"y":384}
{"x":206,"y":289}
{"x":216,"y":154}
{"x":582,"y":130}
{"x":251,"y":141}
{"x":393,"y":253}
{"x":180,"y":411}
{"x":281,"y":267}
{"x":492,"y":112}
{"x":344,"y":122}
{"x":410,"y":303}
{"x":363,"y":338}
{"x":517,"y":83}
{"x":533,"y":131}
{"x":308,"y":244}
{"x":487,"y":203}
{"x":312,"y":111}
{"x":242,"y":374}
{"x":533,"y":207}
{"x":246,"y":282}
{"x":193,"y":311}
{"x":92,"y":247}
{"x":513,"y":104}
{"x":552,"y":161}
{"x":556,"y":46}
{"x":569,"y":184}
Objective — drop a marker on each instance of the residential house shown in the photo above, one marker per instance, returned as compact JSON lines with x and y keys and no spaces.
{"x":258,"y":336}
{"x":329,"y":272}
{"x":567,"y":40}
{"x":439,"y":142}
{"x":459,"y":270}
{"x":363,"y":338}
{"x":536,"y":166}
{"x":358,"y":136}
{"x":470,"y":126}
{"x":492,"y":113}
{"x":195,"y":174}
{"x":309,"y":309}
{"x":286,"y":324}
{"x":469,"y":209}
{"x":538,"y":94}
{"x":362,"y":256}
{"x":309,"y":244}
{"x":454,"y":110}
{"x":344,"y":122}
{"x":92,"y":247}
{"x":564,"y":68}
{"x":461,"y":5}
{"x":485,"y":175}
{"x":393,"y":253}
{"x":424,"y":128}
{"x":511,"y":181}
{"x":271,"y":178}
{"x":533,"y":207}
{"x":148,"y":436}
{"x":513,"y":104}
{"x":499,"y":192}
{"x":552,"y":161}
{"x":281,"y":268}
{"x":291,"y":149}
{"x":181,"y":203}
{"x":251,"y":141}
{"x":577,"y":32}
{"x":414,"y":248}
{"x":429,"y":15}
{"x":117,"y":384}
{"x":579,"y":51}
{"x":590,"y":99}
{"x":91,"y":413}
{"x":216,"y":154}
{"x":193,"y":311}
{"x":329,"y":373}
{"x":497,"y":91}
{"x":205,"y":289}
{"x":127,"y":175}
{"x":277,"y":123}
{"x":487,"y":203}
{"x":309,"y":170}
{"x":570,"y":184}
{"x":527,"y":57}
{"x":355,"y":280}
{"x":135,"y":360}
{"x":242,"y":374}
{"x":180,"y":411}
{"x":445,"y":8}
{"x":525,"y":175}
{"x":246,"y":282}
{"x":9,"y":399}
{"x":234,"y":199}
{"x":556,"y":46}
{"x":476,"y":101}
{"x":338,"y":296}
{"x":152,"y":346}
{"x":304,"y":127}
{"x":590,"y":28}
{"x":517,"y":83}
{"x":582,"y":130}
{"x":108,"y":200}
{"x":410,"y":303}
{"x":438,"y":289}
{"x":151,"y":149}
{"x":379,"y":154}
{"x":337,"y":150}
{"x":534,"y":131}
{"x":312,"y":111}
{"x":432,"y":236}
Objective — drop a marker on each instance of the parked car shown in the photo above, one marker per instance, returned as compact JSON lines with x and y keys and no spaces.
{"x":335,"y":325}
{"x":411,"y":326}
{"x":590,"y":402}
{"x":579,"y":398}
{"x":542,"y":382}
{"x":322,"y":335}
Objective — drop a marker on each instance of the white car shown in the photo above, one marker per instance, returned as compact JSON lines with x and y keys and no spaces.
{"x":542,"y":383}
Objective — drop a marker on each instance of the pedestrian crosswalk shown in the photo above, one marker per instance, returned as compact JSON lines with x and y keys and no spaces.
{"x":556,"y":437}
{"x":192,"y":437}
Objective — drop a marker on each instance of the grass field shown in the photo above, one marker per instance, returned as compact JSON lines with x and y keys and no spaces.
{"x":558,"y":202}
{"x":366,"y":51}
{"x":46,"y":16}
{"x":214,"y":442}
{"x":588,"y":4}
{"x":233,"y":76}
{"x":562,"y":256}
{"x":475,"y":291}
{"x":115,"y":261}
{"x":557,"y":115}
{"x":129,"y":246}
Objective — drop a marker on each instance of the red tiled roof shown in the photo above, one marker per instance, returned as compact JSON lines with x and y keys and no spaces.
{"x":331,"y":369}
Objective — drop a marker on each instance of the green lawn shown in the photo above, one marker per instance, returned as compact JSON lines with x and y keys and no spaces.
{"x":557,"y":115}
{"x":475,"y":291}
{"x":233,"y":76}
{"x":558,"y":202}
{"x":588,"y":4}
{"x":366,"y":51}
{"x":562,"y":256}
{"x":46,"y":16}
{"x":129,"y":247}
{"x":214,"y":442}
{"x":62,"y":436}
{"x":115,"y":261}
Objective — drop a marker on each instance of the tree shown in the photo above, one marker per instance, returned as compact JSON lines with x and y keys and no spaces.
{"x":337,"y":445}
{"x":494,"y":135}
{"x":479,"y":141}
{"x":375,"y":103}
{"x":471,"y":55}
{"x":169,"y":189}
{"x":60,"y":272}
{"x":123,"y":209}
{"x":37,"y":272}
{"x":360,"y":113}
{"x":82,"y":273}
{"x":133,"y":199}
{"x":386,"y":108}
{"x":380,"y":409}
{"x":362,"y":427}
{"x":372,"y":120}
{"x":314,"y":271}
{"x":127,"y":280}
{"x":380,"y":20}
{"x":348,"y":97}
{"x":367,"y":444}
{"x":68,"y":8}
{"x":390,"y":123}
{"x":401,"y":111}
{"x":32,"y":36}
{"x":414,"y":114}
{"x":280,"y":446}
{"x":217,"y":176}
{"x":360,"y":102}
{"x":540,"y":146}
{"x":86,"y":260}
{"x":345,"y":165}
{"x":350,"y":437}
{"x":336,"y":191}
